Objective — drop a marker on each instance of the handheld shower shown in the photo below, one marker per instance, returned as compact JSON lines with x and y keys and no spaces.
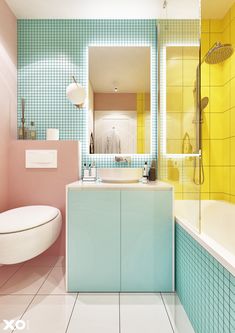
{"x":217,"y":54}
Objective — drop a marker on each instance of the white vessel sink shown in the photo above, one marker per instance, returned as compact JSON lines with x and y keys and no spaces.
{"x":120,"y":175}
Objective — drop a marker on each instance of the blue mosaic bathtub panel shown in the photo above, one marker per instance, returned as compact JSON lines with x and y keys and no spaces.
{"x":205,"y":288}
{"x":51,"y":51}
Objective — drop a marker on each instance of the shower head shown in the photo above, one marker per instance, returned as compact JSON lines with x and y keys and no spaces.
{"x":218,"y":53}
{"x":204,"y":102}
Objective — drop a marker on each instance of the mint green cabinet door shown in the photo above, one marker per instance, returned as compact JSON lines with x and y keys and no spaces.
{"x":146,"y":241}
{"x":93,"y":241}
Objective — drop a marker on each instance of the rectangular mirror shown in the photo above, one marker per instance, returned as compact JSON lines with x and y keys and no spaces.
{"x":119,"y":100}
{"x":182,"y":122}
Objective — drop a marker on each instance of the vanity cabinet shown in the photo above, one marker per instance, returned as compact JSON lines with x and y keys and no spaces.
{"x":93,"y":241}
{"x":146,"y":241}
{"x":119,"y":239}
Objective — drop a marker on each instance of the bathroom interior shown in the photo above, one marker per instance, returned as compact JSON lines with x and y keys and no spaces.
{"x":117,"y":166}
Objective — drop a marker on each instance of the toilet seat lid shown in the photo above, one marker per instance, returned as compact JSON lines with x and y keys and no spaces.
{"x":28,"y":217}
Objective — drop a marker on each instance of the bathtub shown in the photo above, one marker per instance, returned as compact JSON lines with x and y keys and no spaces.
{"x":217,"y":227}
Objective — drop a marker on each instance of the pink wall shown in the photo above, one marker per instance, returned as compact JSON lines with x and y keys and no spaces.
{"x":20,"y":186}
{"x":114,"y":101}
{"x":8,"y":93}
{"x":43,"y":186}
{"x":117,"y":101}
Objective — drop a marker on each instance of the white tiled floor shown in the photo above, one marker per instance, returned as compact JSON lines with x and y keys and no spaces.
{"x":7,"y":272}
{"x":55,"y":282}
{"x":143,"y":313}
{"x":12,"y":307}
{"x":35,"y":292}
{"x":176,"y":313}
{"x":95,"y":313}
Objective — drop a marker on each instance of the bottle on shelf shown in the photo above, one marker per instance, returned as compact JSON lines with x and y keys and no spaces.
{"x":145,"y":173}
{"x":32,"y":131}
{"x":93,"y":170}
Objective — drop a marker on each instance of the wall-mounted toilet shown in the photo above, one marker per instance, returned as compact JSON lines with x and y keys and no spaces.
{"x":28,"y":231}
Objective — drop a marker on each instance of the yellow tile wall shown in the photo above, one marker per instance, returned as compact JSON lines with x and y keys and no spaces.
{"x":218,"y":83}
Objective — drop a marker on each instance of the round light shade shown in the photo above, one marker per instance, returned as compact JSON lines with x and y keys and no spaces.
{"x":76,"y":93}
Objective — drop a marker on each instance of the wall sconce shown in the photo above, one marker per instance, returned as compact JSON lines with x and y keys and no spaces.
{"x":76,"y":93}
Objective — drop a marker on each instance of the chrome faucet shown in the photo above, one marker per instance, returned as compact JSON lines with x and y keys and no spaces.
{"x":123,"y":159}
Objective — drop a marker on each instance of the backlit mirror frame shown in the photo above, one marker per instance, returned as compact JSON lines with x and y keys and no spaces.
{"x":153,"y":113}
{"x":163,"y":98}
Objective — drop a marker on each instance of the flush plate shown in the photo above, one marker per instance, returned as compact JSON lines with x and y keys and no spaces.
{"x":41,"y":159}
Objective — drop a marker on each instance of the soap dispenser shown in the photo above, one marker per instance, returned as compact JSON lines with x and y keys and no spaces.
{"x":145,"y":173}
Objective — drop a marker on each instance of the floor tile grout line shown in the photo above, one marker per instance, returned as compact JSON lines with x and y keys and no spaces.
{"x":56,"y":294}
{"x":35,"y":295}
{"x":11,"y":276}
{"x":119,"y":310}
{"x":30,"y":294}
{"x":52,"y":267}
{"x":24,"y":264}
{"x":168,"y":316}
{"x":72,"y":311}
{"x":33,"y":298}
{"x":45,"y":280}
{"x":26,"y":309}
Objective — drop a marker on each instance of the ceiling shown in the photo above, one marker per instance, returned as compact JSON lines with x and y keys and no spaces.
{"x":104,"y":9}
{"x":118,"y":9}
{"x":127,"y":68}
{"x":215,"y":9}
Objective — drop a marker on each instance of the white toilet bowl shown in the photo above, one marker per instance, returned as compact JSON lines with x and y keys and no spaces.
{"x":26,"y":232}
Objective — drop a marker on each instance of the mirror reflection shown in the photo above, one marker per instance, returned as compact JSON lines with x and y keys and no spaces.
{"x":119,"y":100}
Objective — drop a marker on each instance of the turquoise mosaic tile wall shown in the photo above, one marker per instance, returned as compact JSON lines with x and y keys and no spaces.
{"x":51,"y":51}
{"x":205,"y":288}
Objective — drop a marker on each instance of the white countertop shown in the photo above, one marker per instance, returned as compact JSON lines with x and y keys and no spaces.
{"x":156,"y":186}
